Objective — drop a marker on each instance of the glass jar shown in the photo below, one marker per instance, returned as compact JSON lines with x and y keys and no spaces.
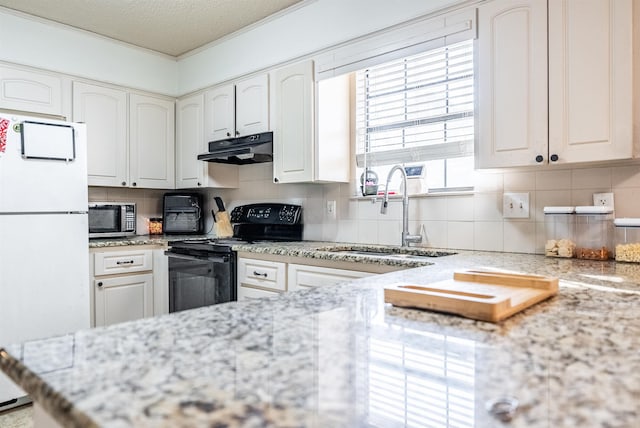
{"x":155,"y":226}
{"x":560,"y":228}
{"x":627,"y":236}
{"x":594,"y":233}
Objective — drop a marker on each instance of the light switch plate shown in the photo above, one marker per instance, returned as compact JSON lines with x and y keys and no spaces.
{"x":515,"y":205}
{"x":331,"y":209}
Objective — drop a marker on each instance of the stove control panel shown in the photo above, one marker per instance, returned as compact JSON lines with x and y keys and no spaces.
{"x":267,"y":213}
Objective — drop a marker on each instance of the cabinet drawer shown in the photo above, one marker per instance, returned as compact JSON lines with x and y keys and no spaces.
{"x":302,"y":276}
{"x":247,"y":293}
{"x":108,"y":263}
{"x":263,"y":274}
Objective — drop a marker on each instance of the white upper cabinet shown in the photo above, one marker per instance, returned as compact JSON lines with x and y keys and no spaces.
{"x":220,"y":113}
{"x":34,"y":91}
{"x":311,"y":129}
{"x":151,"y":142}
{"x":237,"y":110}
{"x":587,"y":115}
{"x":104,"y":110}
{"x":512,"y":83}
{"x":252,"y":105}
{"x":129,"y":144}
{"x":190,"y":142}
{"x":590,"y":80}
{"x":293,"y":132}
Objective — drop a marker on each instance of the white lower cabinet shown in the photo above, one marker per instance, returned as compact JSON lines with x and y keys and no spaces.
{"x":301,"y":277}
{"x":260,"y":278}
{"x":123,"y":298}
{"x":266,"y":278}
{"x":127,"y":284}
{"x":246,"y":293}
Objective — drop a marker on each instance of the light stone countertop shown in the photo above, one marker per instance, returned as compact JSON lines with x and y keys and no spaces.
{"x":142,"y":240}
{"x":338,"y":356}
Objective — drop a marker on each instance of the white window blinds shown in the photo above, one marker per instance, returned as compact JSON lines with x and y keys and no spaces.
{"x":416,"y":109}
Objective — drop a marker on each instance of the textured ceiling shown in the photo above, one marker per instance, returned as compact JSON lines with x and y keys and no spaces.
{"x":172,"y":27}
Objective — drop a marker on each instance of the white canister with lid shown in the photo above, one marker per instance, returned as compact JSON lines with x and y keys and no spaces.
{"x":627,"y":236}
{"x":560,"y":231}
{"x":594,"y":232}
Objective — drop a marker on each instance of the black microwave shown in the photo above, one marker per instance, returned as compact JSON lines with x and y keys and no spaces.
{"x":112,"y":219}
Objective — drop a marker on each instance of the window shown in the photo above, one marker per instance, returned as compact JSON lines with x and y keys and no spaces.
{"x":419,"y":110}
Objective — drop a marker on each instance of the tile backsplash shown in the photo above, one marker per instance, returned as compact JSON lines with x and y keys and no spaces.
{"x":460,"y":221}
{"x":148,"y":202}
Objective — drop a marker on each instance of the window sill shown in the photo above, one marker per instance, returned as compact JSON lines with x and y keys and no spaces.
{"x":416,"y":195}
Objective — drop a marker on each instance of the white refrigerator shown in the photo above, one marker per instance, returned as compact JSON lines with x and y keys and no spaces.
{"x":44,"y":254}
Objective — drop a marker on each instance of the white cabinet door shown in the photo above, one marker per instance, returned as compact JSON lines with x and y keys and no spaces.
{"x":252,"y":105}
{"x":293,"y":130}
{"x":104,"y":110}
{"x":332,"y":148}
{"x":219,"y":111}
{"x":32,"y":91}
{"x":512,"y":83}
{"x":123,"y":298}
{"x":300,"y":277}
{"x":160,"y":282}
{"x":590,"y":80}
{"x":151,"y":142}
{"x":190,"y":142}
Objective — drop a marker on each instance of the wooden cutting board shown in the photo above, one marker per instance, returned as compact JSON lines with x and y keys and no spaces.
{"x":479,"y":294}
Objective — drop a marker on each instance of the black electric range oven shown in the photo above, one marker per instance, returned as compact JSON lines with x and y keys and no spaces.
{"x":203,"y":272}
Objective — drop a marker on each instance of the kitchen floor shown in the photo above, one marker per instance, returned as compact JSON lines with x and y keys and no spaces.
{"x":20,"y":417}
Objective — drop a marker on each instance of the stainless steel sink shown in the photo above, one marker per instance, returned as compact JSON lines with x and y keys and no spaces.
{"x":394,"y":252}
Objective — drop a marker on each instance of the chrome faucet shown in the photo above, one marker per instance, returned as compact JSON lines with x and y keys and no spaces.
{"x":406,"y":237}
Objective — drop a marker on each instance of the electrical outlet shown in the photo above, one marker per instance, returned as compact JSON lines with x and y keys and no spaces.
{"x":515,"y":205}
{"x":331,"y":209}
{"x":603,"y":199}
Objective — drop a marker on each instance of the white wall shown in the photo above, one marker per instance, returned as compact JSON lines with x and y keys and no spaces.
{"x":43,"y":44}
{"x":314,"y":26}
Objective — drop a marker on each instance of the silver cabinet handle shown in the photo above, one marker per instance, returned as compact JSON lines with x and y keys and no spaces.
{"x":256,"y":273}
{"x":126,"y":262}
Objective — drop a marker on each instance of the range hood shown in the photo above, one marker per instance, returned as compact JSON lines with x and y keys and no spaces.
{"x":254,"y":148}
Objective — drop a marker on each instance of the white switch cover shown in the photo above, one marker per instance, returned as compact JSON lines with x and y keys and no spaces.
{"x":331,"y":209}
{"x":515,"y":205}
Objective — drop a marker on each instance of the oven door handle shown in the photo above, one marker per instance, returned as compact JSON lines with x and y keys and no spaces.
{"x":221,"y":259}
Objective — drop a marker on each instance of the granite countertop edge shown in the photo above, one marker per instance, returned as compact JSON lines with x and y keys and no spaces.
{"x":570,"y":271}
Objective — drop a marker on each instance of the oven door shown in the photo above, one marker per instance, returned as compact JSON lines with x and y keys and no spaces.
{"x":200,"y":280}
